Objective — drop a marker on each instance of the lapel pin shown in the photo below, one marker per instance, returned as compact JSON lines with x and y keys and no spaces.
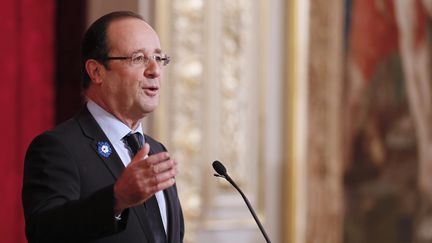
{"x":104,"y":149}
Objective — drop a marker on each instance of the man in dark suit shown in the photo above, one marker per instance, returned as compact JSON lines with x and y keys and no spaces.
{"x":96,"y":178}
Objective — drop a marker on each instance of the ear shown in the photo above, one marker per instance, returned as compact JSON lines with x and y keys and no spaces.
{"x":95,"y":70}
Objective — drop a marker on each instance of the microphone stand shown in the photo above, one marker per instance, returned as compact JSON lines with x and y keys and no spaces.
{"x":228,"y":178}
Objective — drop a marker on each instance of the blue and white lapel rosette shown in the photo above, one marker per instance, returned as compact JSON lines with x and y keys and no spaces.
{"x":104,"y":149}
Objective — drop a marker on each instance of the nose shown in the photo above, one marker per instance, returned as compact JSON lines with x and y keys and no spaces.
{"x":152,"y":70}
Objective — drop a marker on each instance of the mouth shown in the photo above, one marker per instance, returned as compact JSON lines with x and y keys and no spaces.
{"x":151,"y":90}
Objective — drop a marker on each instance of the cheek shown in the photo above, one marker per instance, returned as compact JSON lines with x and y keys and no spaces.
{"x":123,"y":82}
{"x":126,"y":82}
{"x":112,"y":87}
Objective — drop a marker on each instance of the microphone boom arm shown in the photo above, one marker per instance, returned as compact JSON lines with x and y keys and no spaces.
{"x":228,"y":178}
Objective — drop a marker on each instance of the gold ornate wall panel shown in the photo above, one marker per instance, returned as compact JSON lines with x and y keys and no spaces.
{"x":210,"y":111}
{"x":295,"y":117}
{"x":313,"y":117}
{"x":325,"y":167}
{"x":181,"y":118}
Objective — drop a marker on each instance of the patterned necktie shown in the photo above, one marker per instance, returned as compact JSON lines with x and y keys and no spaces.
{"x":135,"y":142}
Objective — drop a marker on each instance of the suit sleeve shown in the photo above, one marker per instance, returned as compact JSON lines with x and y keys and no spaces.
{"x":54,"y":210}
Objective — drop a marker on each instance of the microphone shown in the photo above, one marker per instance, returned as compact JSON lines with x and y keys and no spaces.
{"x":222,"y":172}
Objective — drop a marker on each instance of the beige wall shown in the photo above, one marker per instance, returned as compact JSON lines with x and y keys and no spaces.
{"x":97,"y":8}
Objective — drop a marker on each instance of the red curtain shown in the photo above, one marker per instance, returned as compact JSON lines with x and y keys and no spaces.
{"x":26,"y":97}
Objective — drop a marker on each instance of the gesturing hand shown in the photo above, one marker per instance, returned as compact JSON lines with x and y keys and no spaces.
{"x":143,"y":177}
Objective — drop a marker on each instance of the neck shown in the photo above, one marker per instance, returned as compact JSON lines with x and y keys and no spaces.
{"x":130,"y":122}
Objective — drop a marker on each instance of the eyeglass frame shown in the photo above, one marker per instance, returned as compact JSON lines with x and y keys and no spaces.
{"x":161,"y":59}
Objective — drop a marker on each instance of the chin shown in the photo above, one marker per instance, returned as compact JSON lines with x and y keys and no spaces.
{"x":148,"y":105}
{"x":148,"y":109}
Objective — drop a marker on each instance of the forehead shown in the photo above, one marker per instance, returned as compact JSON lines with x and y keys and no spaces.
{"x":127,"y":35}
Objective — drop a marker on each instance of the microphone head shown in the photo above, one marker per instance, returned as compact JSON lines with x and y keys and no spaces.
{"x":219,"y":168}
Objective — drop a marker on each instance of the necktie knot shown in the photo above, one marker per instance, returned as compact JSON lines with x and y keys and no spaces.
{"x":134,"y":142}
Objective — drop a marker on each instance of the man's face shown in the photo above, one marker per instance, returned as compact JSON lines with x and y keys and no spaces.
{"x":131,"y":90}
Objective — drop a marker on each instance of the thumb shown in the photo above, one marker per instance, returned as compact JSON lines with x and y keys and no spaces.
{"x":142,"y":153}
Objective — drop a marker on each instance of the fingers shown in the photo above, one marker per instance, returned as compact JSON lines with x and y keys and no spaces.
{"x":159,"y":176}
{"x":157,"y":158}
{"x":164,"y":184}
{"x":163,"y":171}
{"x":144,"y":177}
{"x":163,"y":166}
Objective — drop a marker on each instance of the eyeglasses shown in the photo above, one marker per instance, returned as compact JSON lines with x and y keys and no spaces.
{"x":141,"y":59}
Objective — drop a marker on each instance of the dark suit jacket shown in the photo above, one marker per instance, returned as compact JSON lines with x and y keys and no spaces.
{"x":68,"y":189}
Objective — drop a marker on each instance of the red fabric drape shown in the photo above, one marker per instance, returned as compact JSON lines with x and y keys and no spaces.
{"x":71,"y":24}
{"x":26,"y":97}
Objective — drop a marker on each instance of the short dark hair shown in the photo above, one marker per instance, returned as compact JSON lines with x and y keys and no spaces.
{"x":94,"y":44}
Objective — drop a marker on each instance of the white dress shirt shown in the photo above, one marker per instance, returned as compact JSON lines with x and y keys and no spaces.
{"x":116,"y":130}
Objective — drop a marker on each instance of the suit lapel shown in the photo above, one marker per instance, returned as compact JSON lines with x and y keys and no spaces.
{"x":92,"y":130}
{"x":140,"y":212}
{"x":172,"y":216}
{"x":169,"y":194}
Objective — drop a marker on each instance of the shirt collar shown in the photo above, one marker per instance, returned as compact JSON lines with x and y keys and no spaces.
{"x":113,"y":128}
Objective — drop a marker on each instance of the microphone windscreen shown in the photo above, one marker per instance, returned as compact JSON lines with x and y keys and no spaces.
{"x":219,"y":168}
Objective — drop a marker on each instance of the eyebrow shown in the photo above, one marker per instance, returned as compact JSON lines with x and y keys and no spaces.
{"x":157,"y":50}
